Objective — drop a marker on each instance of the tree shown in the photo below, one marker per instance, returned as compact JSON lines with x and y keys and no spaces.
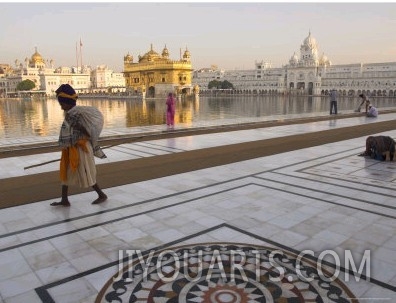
{"x":26,"y":85}
{"x":220,"y":84}
{"x":226,"y":85}
{"x":214,"y":84}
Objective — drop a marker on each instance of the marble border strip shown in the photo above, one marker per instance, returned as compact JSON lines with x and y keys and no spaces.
{"x":326,"y":201}
{"x":150,"y":144}
{"x":44,"y":295}
{"x":343,"y":186}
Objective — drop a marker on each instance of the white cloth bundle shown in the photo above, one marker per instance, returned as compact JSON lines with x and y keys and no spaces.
{"x":87,"y":117}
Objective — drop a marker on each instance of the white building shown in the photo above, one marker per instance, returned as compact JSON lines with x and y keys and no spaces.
{"x":104,"y":78}
{"x":203,"y":76}
{"x":46,"y":78}
{"x":307,"y":73}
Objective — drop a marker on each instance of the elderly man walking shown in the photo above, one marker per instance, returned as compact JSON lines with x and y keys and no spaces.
{"x":79,"y":141}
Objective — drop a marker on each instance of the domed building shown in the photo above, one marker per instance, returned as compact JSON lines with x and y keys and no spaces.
{"x":306,"y":74}
{"x":45,"y":77}
{"x":33,"y":69}
{"x":314,"y":75}
{"x":301,"y":72}
{"x":309,"y":51}
{"x":37,"y":60}
{"x":156,"y":75}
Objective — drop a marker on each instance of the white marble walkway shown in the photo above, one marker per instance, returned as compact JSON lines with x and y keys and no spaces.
{"x":319,"y":198}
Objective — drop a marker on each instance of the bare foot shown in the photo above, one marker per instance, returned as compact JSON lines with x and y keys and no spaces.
{"x":100,"y":199}
{"x":61,"y":203}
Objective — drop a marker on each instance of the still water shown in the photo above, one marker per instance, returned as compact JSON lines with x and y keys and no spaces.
{"x":21,"y":118}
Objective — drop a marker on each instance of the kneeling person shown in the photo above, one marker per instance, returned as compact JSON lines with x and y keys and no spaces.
{"x":380,"y":148}
{"x":372,"y":111}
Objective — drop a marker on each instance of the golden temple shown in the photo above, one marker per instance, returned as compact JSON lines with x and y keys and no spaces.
{"x":156,"y":75}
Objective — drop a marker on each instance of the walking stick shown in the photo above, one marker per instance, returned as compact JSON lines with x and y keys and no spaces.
{"x":40,"y":164}
{"x":44,"y":163}
{"x":56,"y":160}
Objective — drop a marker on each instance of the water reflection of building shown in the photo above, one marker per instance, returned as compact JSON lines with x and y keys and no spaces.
{"x":309,"y":73}
{"x":4,"y":70}
{"x":35,"y":117}
{"x":155,"y":75}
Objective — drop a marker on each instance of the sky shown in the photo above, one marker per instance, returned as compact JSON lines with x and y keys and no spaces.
{"x":231,"y":35}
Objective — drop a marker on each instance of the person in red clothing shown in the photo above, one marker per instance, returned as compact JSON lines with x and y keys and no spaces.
{"x":170,"y":110}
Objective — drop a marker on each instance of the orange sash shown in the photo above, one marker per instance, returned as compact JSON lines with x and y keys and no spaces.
{"x":70,"y":157}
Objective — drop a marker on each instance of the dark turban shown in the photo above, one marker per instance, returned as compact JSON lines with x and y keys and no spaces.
{"x":66,"y":94}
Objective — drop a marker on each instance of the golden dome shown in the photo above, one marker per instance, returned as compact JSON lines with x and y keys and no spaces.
{"x":36,"y":57}
{"x":150,"y":55}
{"x":128,"y":58}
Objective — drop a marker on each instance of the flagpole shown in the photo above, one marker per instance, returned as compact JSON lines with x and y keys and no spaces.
{"x":81,"y":56}
{"x":76,"y":58}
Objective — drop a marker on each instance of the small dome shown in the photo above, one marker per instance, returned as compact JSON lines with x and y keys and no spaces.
{"x":186,"y":55}
{"x":165,"y":52}
{"x":294,"y":59}
{"x":324,"y":60}
{"x":310,"y":42}
{"x":37,"y":58}
{"x":128,"y":58}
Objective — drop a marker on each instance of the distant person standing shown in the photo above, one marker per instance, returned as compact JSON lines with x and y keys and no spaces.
{"x":170,"y":110}
{"x":333,"y":101}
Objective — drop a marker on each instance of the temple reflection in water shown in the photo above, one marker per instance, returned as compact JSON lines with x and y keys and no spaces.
{"x":21,"y":118}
